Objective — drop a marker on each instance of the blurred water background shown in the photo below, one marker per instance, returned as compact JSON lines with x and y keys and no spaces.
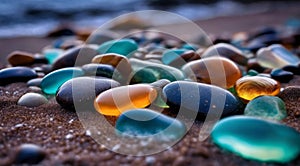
{"x":37,"y":17}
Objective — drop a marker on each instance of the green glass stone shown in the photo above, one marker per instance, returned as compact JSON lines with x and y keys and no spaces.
{"x":257,"y":139}
{"x":123,"y":46}
{"x":144,"y":75}
{"x":145,"y":122}
{"x":252,"y":72}
{"x":170,"y":55}
{"x":270,"y":107}
{"x":52,"y":54}
{"x":52,"y":81}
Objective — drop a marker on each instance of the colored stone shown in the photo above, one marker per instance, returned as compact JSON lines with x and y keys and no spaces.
{"x":161,"y":71}
{"x":281,"y":75}
{"x":170,"y":55}
{"x":76,"y":56}
{"x":295,"y":69}
{"x":124,"y":47}
{"x":20,"y":58}
{"x":199,"y":98}
{"x":32,"y":100}
{"x":52,"y":54}
{"x":227,"y":51}
{"x":257,"y":139}
{"x":179,"y":57}
{"x":101,"y":70}
{"x":276,"y":56}
{"x":205,"y":71}
{"x":82,"y":91}
{"x":117,"y":100}
{"x":29,"y":154}
{"x":193,"y":47}
{"x":249,"y":88}
{"x":145,"y":123}
{"x":35,"y":82}
{"x":52,"y":81}
{"x":252,"y":73}
{"x":16,"y":74}
{"x":144,"y":75}
{"x":269,"y":107}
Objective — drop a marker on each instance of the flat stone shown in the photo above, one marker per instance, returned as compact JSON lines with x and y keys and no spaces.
{"x":32,"y":100}
{"x":20,"y":58}
{"x":281,"y":75}
{"x":16,"y":74}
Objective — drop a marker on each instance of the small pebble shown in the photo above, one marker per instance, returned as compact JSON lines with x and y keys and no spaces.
{"x":29,"y":154}
{"x":125,"y":47}
{"x":281,"y":75}
{"x":35,"y":82}
{"x":20,"y":58}
{"x":32,"y":100}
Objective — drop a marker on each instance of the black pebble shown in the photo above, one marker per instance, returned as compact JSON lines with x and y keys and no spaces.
{"x":16,"y":74}
{"x":29,"y":154}
{"x":281,"y":75}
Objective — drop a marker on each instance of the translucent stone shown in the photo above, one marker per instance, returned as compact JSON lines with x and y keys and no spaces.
{"x":117,"y":100}
{"x":269,"y":107}
{"x":123,"y":46}
{"x":276,"y":56}
{"x":170,"y":55}
{"x":257,"y":139}
{"x":249,"y":88}
{"x":145,"y":123}
{"x":52,"y":54}
{"x":206,"y":71}
{"x":52,"y":81}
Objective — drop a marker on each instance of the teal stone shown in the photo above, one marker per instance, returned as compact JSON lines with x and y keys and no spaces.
{"x":123,"y":46}
{"x":170,"y":55}
{"x":145,"y":75}
{"x":32,"y":100}
{"x":52,"y":54}
{"x":257,"y":139}
{"x":145,"y":122}
{"x":52,"y":81}
{"x":190,"y":47}
{"x":252,"y":72}
{"x":161,"y":71}
{"x":269,"y":107}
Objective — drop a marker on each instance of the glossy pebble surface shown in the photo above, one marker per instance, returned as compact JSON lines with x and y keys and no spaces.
{"x":248,"y":88}
{"x":32,"y":100}
{"x":82,"y":91}
{"x":117,"y":100}
{"x":52,"y":81}
{"x":52,"y":54}
{"x":124,"y":47}
{"x":170,"y":55}
{"x":145,"y":122}
{"x":257,"y":139}
{"x":101,"y":70}
{"x":205,"y":71}
{"x":16,"y":74}
{"x":269,"y":107}
{"x":20,"y":58}
{"x":29,"y":154}
{"x":200,"y":98}
{"x":281,"y":75}
{"x":276,"y":56}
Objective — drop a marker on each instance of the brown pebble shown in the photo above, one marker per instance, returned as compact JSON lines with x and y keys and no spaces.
{"x":20,"y":58}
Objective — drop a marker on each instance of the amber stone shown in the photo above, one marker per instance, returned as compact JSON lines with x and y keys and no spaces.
{"x":117,"y":100}
{"x":249,"y":88}
{"x":217,"y":71}
{"x":20,"y":58}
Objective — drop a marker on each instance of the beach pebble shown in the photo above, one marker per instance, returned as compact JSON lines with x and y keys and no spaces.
{"x":52,"y":81}
{"x":120,"y":99}
{"x":171,"y":55}
{"x":251,"y":87}
{"x":146,"y":123}
{"x":35,"y":82}
{"x":257,"y":139}
{"x":295,"y":69}
{"x":205,"y":71}
{"x":101,"y":70}
{"x":181,"y":59}
{"x":82,"y":91}
{"x":29,"y":154}
{"x":199,"y":98}
{"x":281,"y":75}
{"x":52,"y":54}
{"x":269,"y":107}
{"x":20,"y":58}
{"x":32,"y":100}
{"x":16,"y":74}
{"x":125,"y":47}
{"x":144,"y":75}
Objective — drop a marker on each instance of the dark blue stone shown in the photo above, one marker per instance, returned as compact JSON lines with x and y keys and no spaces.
{"x":29,"y":154}
{"x":281,"y":75}
{"x":102,"y":70}
{"x":16,"y":74}
{"x":292,"y":68}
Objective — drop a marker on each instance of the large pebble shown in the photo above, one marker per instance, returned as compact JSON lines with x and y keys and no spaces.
{"x":32,"y":100}
{"x":35,"y":82}
{"x":29,"y":154}
{"x":52,"y":81}
{"x":145,"y":123}
{"x":269,"y":107}
{"x":257,"y":139}
{"x":20,"y":58}
{"x":82,"y":91}
{"x":205,"y":71}
{"x":125,"y":47}
{"x":16,"y":74}
{"x":200,"y":98}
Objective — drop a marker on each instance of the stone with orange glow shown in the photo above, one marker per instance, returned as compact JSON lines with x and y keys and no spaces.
{"x":117,"y":100}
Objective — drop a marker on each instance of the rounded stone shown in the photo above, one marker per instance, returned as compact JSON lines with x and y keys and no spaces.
{"x":147,"y":123}
{"x":292,"y":68}
{"x":52,"y":81}
{"x":205,"y":71}
{"x":16,"y":74}
{"x":29,"y":154}
{"x":20,"y":58}
{"x":103,"y":70}
{"x":35,"y":82}
{"x":32,"y":100}
{"x":257,"y":139}
{"x":125,"y":47}
{"x":52,"y":54}
{"x":117,"y":100}
{"x":199,"y":98}
{"x":144,"y":75}
{"x":170,"y":55}
{"x":83,"y":91}
{"x":249,"y":88}
{"x":281,"y":75}
{"x":269,"y":107}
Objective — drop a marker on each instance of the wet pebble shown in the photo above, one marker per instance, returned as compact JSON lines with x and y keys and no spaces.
{"x":32,"y":100}
{"x":20,"y":58}
{"x":35,"y":82}
{"x":29,"y":154}
{"x":125,"y":47}
{"x":16,"y":74}
{"x":281,"y":75}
